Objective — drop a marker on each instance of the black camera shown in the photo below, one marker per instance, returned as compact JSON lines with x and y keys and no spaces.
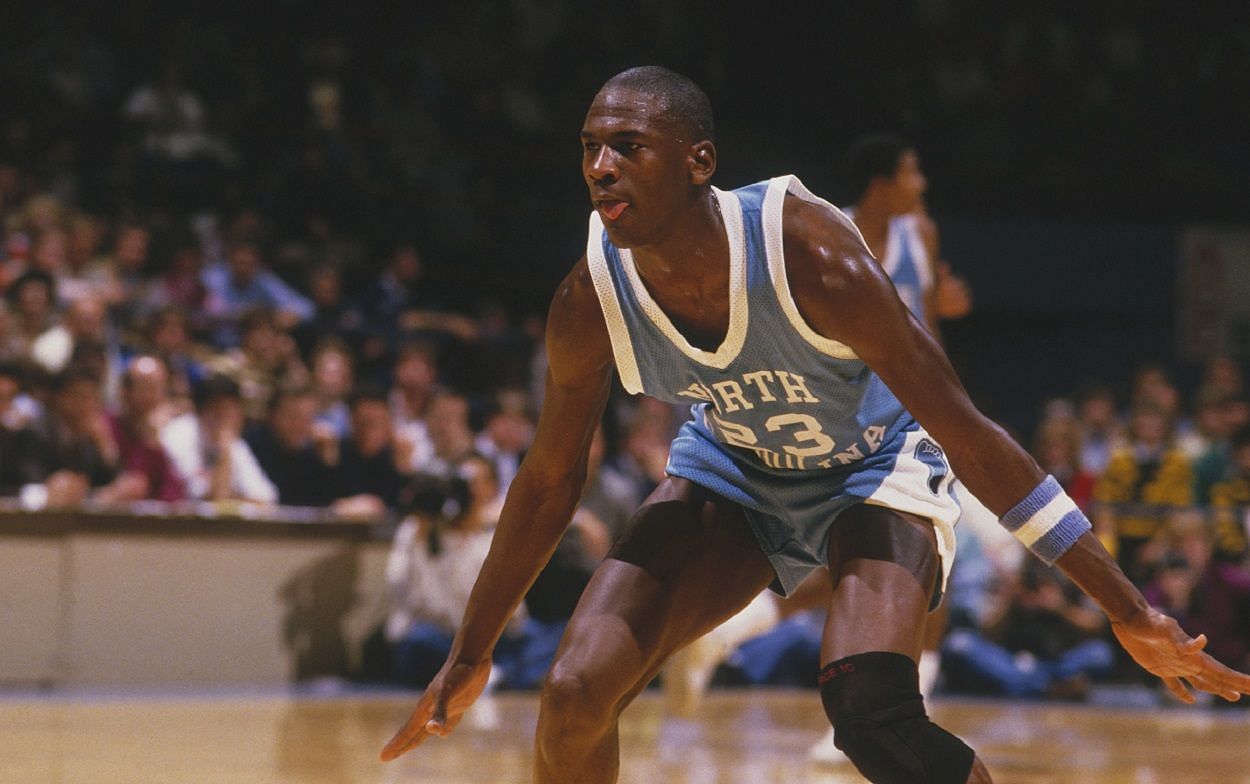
{"x":435,"y":496}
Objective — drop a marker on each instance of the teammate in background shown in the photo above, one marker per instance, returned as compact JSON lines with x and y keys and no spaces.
{"x":893,"y":218}
{"x":764,"y":308}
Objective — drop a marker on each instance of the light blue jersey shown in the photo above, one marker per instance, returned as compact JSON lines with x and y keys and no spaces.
{"x":792,"y":426}
{"x":907,"y":262}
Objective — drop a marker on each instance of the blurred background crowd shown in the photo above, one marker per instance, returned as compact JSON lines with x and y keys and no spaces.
{"x":301,"y":261}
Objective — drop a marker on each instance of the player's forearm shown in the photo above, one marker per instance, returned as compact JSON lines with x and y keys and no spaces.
{"x":1088,"y":564}
{"x":534,"y":517}
{"x":997,"y":470}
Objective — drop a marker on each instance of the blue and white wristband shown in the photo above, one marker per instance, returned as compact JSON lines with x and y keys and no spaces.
{"x":1047,"y":521}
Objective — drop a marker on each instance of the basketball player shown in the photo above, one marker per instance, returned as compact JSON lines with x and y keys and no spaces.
{"x":763,"y":307}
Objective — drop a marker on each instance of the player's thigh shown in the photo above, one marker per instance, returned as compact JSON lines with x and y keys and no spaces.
{"x":686,"y":562}
{"x":885,"y":567}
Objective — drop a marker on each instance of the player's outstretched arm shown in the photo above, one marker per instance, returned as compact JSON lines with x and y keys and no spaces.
{"x":539,"y":505}
{"x":844,"y":295}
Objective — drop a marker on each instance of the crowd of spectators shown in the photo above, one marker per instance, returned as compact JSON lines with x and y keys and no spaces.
{"x":212,"y":294}
{"x":1168,"y":488}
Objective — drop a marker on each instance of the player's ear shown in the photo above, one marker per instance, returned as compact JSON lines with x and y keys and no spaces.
{"x":702,"y":162}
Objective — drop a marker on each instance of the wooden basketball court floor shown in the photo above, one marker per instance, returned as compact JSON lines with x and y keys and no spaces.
{"x":738,"y":737}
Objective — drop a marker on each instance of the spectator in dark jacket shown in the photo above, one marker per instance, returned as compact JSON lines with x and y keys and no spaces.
{"x":287,"y":452}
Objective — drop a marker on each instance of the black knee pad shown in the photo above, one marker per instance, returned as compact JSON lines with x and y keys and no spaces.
{"x":873,"y":700}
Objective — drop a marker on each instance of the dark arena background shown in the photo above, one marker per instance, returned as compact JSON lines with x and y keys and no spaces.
{"x":274,"y":282}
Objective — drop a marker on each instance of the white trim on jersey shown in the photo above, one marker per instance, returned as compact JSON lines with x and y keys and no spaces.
{"x":731,"y":346}
{"x":622,"y":346}
{"x":774,"y":202}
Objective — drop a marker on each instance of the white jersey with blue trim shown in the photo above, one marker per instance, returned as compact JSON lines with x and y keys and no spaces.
{"x":774,"y":393}
{"x":907,"y":262}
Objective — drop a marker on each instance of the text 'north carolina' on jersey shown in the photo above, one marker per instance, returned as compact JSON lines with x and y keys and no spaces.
{"x":775,"y":392}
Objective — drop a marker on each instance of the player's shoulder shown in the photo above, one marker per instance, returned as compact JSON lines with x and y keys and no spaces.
{"x":575,"y":325}
{"x":822,"y":246}
{"x":575,"y":305}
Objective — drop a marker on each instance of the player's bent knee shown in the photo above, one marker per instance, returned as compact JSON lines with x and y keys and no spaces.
{"x":874,"y":702}
{"x":568,"y":697}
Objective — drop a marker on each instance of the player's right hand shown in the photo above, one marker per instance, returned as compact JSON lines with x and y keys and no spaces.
{"x":442,"y":706}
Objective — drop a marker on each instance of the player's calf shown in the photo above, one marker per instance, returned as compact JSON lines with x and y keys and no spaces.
{"x":874,"y":702}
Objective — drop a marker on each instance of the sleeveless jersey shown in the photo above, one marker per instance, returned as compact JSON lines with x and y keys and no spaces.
{"x":775,"y":391}
{"x":790,"y":425}
{"x":907,"y":262}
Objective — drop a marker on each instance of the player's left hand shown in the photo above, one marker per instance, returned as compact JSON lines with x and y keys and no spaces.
{"x":1158,"y":644}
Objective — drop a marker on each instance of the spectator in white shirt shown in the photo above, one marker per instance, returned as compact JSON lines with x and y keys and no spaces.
{"x":208,"y":449}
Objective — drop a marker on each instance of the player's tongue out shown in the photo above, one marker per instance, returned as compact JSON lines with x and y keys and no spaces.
{"x":612,"y":209}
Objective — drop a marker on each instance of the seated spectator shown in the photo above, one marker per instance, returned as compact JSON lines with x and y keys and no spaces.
{"x":21,"y":458}
{"x":1216,"y":420}
{"x":1144,"y":481}
{"x":180,"y":284}
{"x":1210,"y":426}
{"x":208,"y":449}
{"x":434,"y":562}
{"x":168,"y":340}
{"x":77,"y":449}
{"x":50,"y":252}
{"x":415,"y":381}
{"x":287,"y":452}
{"x":506,"y":436}
{"x":1057,"y":447}
{"x":119,"y":277}
{"x":367,"y":465}
{"x":136,"y":430}
{"x":242,"y":284}
{"x":17,"y":409}
{"x":1204,"y":594}
{"x":333,"y":316}
{"x":86,"y":234}
{"x":451,"y":438}
{"x":1230,"y":501}
{"x":32,"y":312}
{"x":1044,"y":641}
{"x":396,"y":306}
{"x":84,"y":319}
{"x":265,"y":359}
{"x":1101,"y":430}
{"x":333,"y":376}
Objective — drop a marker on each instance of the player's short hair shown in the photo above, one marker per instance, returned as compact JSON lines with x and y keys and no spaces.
{"x":872,"y":156}
{"x":682,"y":101}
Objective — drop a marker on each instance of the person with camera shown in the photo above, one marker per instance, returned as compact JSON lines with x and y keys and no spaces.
{"x":435,"y":559}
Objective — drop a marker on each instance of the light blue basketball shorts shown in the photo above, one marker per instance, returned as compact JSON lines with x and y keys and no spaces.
{"x":792,"y":512}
